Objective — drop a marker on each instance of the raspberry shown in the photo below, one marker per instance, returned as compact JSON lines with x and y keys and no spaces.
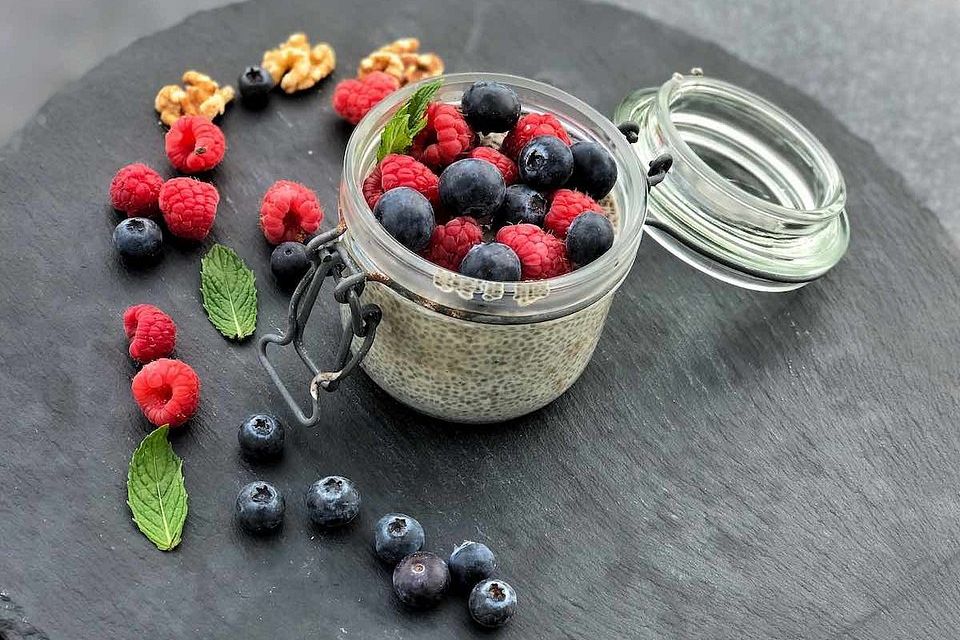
{"x":195,"y":144}
{"x":451,"y":241}
{"x":151,"y":332}
{"x":135,"y":189}
{"x":189,"y":207}
{"x":447,"y":136}
{"x":529,"y":127}
{"x":565,"y":205}
{"x":541,"y":254}
{"x":400,"y":171}
{"x":289,"y":212}
{"x":168,"y":392}
{"x":353,"y":99}
{"x":506,"y":166}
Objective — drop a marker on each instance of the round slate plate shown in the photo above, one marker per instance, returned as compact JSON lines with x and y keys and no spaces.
{"x":731,"y":465}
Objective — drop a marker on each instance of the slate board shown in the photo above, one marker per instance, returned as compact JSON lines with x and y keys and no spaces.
{"x":731,"y":464}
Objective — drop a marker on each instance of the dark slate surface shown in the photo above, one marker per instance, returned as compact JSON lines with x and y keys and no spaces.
{"x":731,"y":465}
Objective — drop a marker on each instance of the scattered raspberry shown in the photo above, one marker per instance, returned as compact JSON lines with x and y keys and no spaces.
{"x":289,"y":212}
{"x":151,"y":332}
{"x":168,"y":392}
{"x":451,"y":241}
{"x":188,"y":206}
{"x":135,"y":189}
{"x":541,"y":254}
{"x":195,"y":144}
{"x":506,"y":166}
{"x":353,"y":99}
{"x":529,"y":127}
{"x":566,"y":205}
{"x":447,"y":136}
{"x":396,"y":170}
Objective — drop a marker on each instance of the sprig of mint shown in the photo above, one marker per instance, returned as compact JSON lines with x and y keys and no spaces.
{"x":229,"y":292}
{"x":155,"y":490}
{"x":407,"y":122}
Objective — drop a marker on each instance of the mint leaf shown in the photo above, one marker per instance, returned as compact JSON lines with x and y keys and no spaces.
{"x":155,"y":490}
{"x":407,"y":122}
{"x":229,"y":293}
{"x":417,"y":105}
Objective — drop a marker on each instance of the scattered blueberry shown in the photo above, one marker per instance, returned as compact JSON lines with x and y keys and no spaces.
{"x":138,"y":239}
{"x":492,"y":603}
{"x":588,"y":237}
{"x":594,"y":169}
{"x":407,"y":215}
{"x":471,"y":187}
{"x":470,"y":563}
{"x":255,"y":85}
{"x":289,"y":262}
{"x":421,"y":579}
{"x":260,"y":507}
{"x":396,"y":536}
{"x":333,"y":501}
{"x":492,"y":261}
{"x":521,"y":204}
{"x":545,"y":162}
{"x":490,"y":106}
{"x":261,"y":437}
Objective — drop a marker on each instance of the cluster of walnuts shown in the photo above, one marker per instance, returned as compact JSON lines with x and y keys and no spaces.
{"x":402,"y":60}
{"x":200,"y":95}
{"x":296,"y":66}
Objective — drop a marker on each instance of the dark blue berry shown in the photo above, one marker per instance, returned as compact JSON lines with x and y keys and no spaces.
{"x":470,"y":563}
{"x":260,"y":507}
{"x":138,"y":239}
{"x":255,"y":85}
{"x":492,"y":603}
{"x":589,"y":236}
{"x":261,"y":437}
{"x":333,"y":501}
{"x":407,"y":215}
{"x":289,"y":262}
{"x":545,"y":162}
{"x":521,"y":204}
{"x":421,"y":579}
{"x":396,"y":536}
{"x":594,"y":169}
{"x":472,"y":187}
{"x":490,"y":106}
{"x":492,"y":261}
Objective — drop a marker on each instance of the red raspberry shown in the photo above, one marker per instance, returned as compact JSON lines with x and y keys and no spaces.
{"x":541,"y":255}
{"x":353,"y":99}
{"x":289,"y":212}
{"x":168,"y":392}
{"x":507,"y":167}
{"x":529,"y":127}
{"x":189,"y":207}
{"x":565,"y":205}
{"x":447,"y":136}
{"x":400,"y":171}
{"x":135,"y":189}
{"x":195,"y":144}
{"x":451,"y":241}
{"x":151,"y":332}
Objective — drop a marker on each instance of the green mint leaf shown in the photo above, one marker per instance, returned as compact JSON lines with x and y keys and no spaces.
{"x":229,"y":292}
{"x":155,"y":491}
{"x":407,"y":122}
{"x":417,"y":105}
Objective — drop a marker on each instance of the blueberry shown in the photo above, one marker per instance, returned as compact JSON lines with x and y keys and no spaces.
{"x":490,"y":106}
{"x":594,"y":169}
{"x":260,"y":507}
{"x":588,"y":237}
{"x":421,"y":579}
{"x":333,"y":501}
{"x":470,"y":563}
{"x":545,"y":162}
{"x":407,"y":215}
{"x":492,"y":261}
{"x":261,"y":437}
{"x":472,"y":187}
{"x":255,"y":85}
{"x":289,"y":262}
{"x":138,"y":239}
{"x":397,"y":535}
{"x":521,"y":204}
{"x":492,"y":603}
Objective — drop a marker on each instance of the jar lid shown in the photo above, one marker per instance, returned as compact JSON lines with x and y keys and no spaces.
{"x":753,"y":197}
